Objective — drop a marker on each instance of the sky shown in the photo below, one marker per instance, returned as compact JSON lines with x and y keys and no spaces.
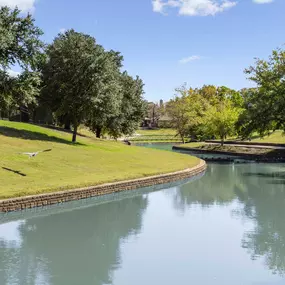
{"x":171,"y":42}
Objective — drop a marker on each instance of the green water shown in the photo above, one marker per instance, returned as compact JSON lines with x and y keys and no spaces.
{"x":225,"y":228}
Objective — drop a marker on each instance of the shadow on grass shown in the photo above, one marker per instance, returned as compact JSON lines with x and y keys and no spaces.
{"x":14,"y":171}
{"x":29,"y":135}
{"x":50,"y":127}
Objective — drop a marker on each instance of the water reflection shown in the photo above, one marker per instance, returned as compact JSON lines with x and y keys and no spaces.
{"x":260,"y":190}
{"x":264,"y":202}
{"x":69,"y":247}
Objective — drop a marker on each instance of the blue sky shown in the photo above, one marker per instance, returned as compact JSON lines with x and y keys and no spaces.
{"x":169,"y":42}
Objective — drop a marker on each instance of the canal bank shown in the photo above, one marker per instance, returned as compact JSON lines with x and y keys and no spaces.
{"x":271,"y":154}
{"x":17,"y":204}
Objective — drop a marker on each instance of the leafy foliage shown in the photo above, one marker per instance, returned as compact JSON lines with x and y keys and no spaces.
{"x":19,"y":39}
{"x":221,"y":118}
{"x":266,"y":103}
{"x":132,"y":107}
{"x":70,"y":75}
{"x":205,"y":112}
{"x":83,"y":84}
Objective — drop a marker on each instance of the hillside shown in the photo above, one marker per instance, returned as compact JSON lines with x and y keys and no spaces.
{"x":66,"y":166}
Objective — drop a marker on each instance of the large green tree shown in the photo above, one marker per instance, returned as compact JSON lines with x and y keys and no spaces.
{"x":266,"y":105}
{"x":74,"y":76}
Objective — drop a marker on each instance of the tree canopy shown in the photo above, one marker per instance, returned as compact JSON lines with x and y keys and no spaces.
{"x":83,"y":83}
{"x":19,"y":39}
{"x":266,"y":103}
{"x":205,"y":113}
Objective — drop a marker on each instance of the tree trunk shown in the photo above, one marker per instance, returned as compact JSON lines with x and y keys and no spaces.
{"x":34,"y":115}
{"x":74,"y":133}
{"x":98,"y":132}
{"x":222,"y":140}
{"x":67,"y":125}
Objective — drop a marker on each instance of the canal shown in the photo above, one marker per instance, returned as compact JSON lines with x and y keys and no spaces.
{"x":224,"y":228}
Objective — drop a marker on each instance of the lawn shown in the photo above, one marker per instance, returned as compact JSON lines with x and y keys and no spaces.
{"x":156,"y":135}
{"x":66,"y":166}
{"x":275,"y":137}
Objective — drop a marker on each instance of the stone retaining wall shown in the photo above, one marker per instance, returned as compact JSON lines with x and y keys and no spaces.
{"x":248,"y":156}
{"x":247,"y":143}
{"x":17,"y":204}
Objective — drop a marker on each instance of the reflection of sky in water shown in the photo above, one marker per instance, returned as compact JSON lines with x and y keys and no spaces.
{"x":9,"y":233}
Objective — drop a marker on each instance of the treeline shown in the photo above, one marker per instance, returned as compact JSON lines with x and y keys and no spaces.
{"x":69,"y":82}
{"x":214,"y":112}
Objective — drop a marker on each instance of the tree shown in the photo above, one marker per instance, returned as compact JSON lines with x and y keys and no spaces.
{"x":18,"y":93}
{"x":234,"y":96}
{"x":6,"y":98}
{"x":19,"y":39}
{"x":19,"y":44}
{"x":132,"y":107}
{"x":267,"y":103}
{"x":73,"y":76}
{"x":108,"y":93}
{"x":208,"y":92}
{"x":221,"y":119}
{"x":186,"y":111}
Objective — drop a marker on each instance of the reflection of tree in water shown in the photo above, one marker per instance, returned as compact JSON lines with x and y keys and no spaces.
{"x":260,"y":190}
{"x":215,"y":187}
{"x":264,"y":203}
{"x":77,"y":247}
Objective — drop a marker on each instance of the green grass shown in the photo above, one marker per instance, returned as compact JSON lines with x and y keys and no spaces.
{"x":158,"y":135}
{"x":157,"y":132}
{"x":90,"y":162}
{"x":275,"y":137}
{"x":192,"y":144}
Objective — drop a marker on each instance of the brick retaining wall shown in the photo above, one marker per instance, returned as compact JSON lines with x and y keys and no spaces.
{"x":17,"y":204}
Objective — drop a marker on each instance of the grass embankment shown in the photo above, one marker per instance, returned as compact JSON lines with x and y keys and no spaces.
{"x":156,"y":135}
{"x":276,"y":137}
{"x":89,"y":162}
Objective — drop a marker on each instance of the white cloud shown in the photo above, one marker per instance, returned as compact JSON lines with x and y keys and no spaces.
{"x":23,"y":5}
{"x":62,"y":30}
{"x":157,"y":6}
{"x":263,"y":1}
{"x":194,"y":7}
{"x":13,"y":73}
{"x":189,"y":59}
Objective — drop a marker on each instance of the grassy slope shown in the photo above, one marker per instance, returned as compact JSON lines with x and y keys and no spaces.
{"x":90,"y":162}
{"x":157,"y":132}
{"x":158,"y":135}
{"x":276,"y":137}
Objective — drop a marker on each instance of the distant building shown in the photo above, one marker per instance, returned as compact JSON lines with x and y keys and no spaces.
{"x":157,"y":116}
